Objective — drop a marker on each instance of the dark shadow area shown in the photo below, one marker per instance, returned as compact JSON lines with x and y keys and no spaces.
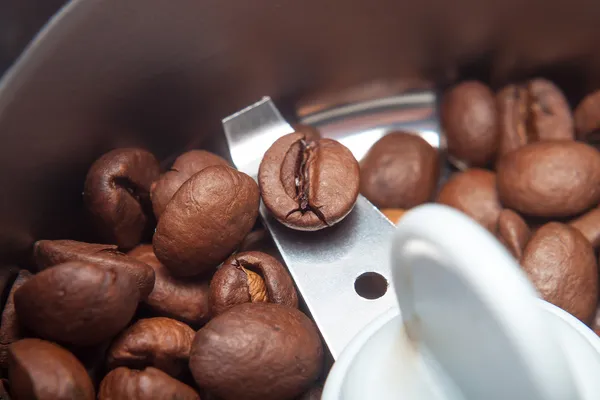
{"x":20,"y":20}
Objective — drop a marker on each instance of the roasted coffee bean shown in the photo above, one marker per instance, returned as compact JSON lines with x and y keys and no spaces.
{"x":587,"y":117}
{"x":163,"y":343}
{"x":149,"y":383}
{"x":310,"y":132}
{"x":562,"y":266}
{"x":117,"y":195}
{"x":275,"y":350}
{"x":589,"y":225}
{"x":313,"y":393}
{"x":45,"y":371}
{"x":474,"y":193}
{"x":469,"y":119}
{"x":251,"y":277}
{"x":206,"y":220}
{"x":308,"y":184}
{"x":401,"y":170}
{"x":532,"y":112}
{"x":513,"y":232}
{"x":10,"y":327}
{"x":393,"y":214}
{"x":550,"y":179}
{"x":77,"y":303}
{"x":183,"y":168}
{"x":48,"y":253}
{"x":185,"y":300}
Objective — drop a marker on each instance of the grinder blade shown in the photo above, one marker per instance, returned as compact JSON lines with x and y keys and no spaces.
{"x":326,"y":265}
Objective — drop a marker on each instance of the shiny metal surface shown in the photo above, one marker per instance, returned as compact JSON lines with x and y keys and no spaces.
{"x":359,"y":125}
{"x":325,"y":264}
{"x":251,"y":131}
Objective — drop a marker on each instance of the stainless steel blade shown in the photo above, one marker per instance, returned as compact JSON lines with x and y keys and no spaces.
{"x":325,"y":264}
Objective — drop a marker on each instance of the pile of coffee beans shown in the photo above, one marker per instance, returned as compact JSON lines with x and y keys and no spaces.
{"x":526,"y":168}
{"x":183,"y":295}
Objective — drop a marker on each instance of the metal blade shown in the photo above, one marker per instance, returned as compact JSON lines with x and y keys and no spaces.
{"x":325,"y":264}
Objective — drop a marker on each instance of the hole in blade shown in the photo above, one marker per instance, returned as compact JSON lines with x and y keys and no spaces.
{"x":371,"y":285}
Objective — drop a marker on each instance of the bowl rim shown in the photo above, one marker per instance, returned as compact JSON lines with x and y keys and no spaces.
{"x":337,"y":375}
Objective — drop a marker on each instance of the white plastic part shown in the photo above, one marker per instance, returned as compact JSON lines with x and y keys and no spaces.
{"x":471,"y":326}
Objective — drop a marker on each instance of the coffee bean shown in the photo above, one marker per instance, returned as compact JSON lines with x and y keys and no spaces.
{"x":10,"y":327}
{"x":562,"y":266}
{"x":47,"y":253}
{"x":251,"y":277}
{"x":116,"y":194}
{"x":206,"y":221}
{"x":308,"y":185}
{"x":474,"y":193}
{"x":393,"y":214}
{"x":399,"y":171}
{"x":186,"y":300}
{"x":163,"y":343}
{"x":550,"y":179}
{"x":532,"y":112}
{"x":589,"y":225}
{"x":183,"y":168}
{"x":513,"y":232}
{"x":587,"y":117}
{"x":43,"y":370}
{"x":469,"y":120}
{"x":275,"y":350}
{"x":150,"y":383}
{"x":77,"y":303}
